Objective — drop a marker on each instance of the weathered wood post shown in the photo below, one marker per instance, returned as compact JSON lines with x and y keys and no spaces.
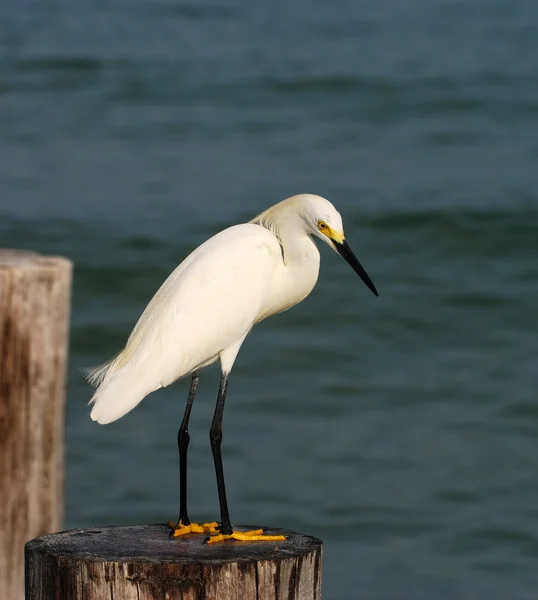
{"x":34,"y":315}
{"x":143,"y":563}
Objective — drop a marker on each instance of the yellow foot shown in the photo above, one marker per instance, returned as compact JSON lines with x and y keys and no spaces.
{"x":180,"y":529}
{"x":255,"y":535}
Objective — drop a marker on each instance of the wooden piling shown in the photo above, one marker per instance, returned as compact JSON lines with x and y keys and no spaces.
{"x":143,"y":563}
{"x":34,"y":315}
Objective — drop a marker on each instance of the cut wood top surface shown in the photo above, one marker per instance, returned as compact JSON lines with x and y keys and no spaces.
{"x":10,"y":258}
{"x":151,"y":543}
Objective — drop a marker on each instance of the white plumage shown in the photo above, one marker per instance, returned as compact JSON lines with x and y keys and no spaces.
{"x":208,"y":305}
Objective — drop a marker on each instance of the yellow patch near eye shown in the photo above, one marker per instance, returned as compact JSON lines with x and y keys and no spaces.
{"x":330,"y":232}
{"x":337,"y":237}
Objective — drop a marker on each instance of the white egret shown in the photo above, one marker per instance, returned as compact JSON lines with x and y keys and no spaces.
{"x":204,"y":311}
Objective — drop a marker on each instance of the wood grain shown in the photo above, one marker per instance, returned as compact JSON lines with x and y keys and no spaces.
{"x":143,"y":563}
{"x":34,"y":316}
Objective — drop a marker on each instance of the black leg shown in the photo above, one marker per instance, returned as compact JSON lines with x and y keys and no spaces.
{"x":215,"y":435}
{"x":183,"y":439}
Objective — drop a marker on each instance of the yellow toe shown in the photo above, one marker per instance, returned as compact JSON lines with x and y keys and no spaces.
{"x":255,"y":535}
{"x":180,"y":529}
{"x":250,"y":536}
{"x":205,"y":527}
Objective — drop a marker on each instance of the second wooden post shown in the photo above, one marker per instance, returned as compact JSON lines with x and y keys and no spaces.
{"x":34,"y":317}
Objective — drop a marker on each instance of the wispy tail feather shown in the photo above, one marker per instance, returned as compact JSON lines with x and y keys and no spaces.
{"x":96,"y":375}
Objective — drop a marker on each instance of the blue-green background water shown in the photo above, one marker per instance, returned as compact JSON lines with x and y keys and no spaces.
{"x":402,"y":430}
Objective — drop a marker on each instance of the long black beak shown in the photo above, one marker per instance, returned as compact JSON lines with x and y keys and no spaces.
{"x":347,"y":253}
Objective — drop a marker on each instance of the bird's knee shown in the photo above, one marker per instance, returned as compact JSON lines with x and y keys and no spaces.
{"x":215,"y":436}
{"x":183,"y":439}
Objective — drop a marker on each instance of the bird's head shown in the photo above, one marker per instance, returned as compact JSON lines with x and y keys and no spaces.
{"x":325,"y":222}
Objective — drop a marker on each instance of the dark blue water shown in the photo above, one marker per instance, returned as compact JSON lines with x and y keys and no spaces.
{"x":402,"y":430}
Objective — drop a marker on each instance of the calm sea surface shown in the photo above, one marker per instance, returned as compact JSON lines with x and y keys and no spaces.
{"x":402,"y":430}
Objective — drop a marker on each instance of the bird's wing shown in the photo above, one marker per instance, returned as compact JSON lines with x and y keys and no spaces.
{"x":209,"y":302}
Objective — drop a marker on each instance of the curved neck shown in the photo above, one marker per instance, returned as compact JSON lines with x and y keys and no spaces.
{"x":299,"y":268}
{"x":298,"y":248}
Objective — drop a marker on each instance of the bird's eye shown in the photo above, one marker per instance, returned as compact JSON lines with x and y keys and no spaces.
{"x":322,"y":225}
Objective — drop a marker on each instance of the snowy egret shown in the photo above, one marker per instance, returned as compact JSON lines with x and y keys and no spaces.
{"x":204,"y":311}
